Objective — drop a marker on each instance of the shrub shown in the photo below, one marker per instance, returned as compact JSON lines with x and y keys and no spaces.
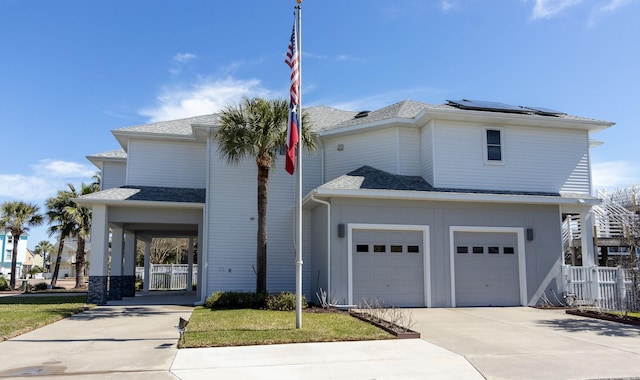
{"x":284,"y":301}
{"x":3,"y":284}
{"x":40,"y":286}
{"x":236,"y":300}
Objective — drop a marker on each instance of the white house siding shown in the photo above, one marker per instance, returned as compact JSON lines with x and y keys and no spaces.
{"x":232,"y":228}
{"x":534,"y":159}
{"x":426,"y":145}
{"x":409,"y":146}
{"x":379,"y":149}
{"x":542,"y":254}
{"x":170,"y":164}
{"x":113,"y":174}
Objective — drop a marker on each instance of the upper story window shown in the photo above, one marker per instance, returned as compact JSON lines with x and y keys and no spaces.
{"x":9,"y":239}
{"x":494,"y":141}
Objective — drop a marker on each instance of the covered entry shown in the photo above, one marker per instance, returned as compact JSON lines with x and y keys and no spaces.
{"x":486,"y":267}
{"x":388,"y":264}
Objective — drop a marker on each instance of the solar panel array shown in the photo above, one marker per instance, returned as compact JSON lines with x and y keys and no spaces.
{"x":481,"y":105}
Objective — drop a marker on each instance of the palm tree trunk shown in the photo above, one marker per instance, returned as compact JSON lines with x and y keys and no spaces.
{"x":80,"y":262}
{"x":14,"y":262}
{"x":261,"y":254}
{"x":56,"y":267}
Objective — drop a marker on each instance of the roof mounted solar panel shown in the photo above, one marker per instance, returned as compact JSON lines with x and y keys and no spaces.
{"x":481,"y":105}
{"x":544,"y":111}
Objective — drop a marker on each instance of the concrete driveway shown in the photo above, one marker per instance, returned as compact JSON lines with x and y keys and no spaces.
{"x":528,"y":343}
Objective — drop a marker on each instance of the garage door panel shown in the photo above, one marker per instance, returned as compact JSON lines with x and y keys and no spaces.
{"x":486,"y":279}
{"x":394,"y":277}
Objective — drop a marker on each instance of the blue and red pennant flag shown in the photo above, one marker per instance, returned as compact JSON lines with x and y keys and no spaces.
{"x":293,"y":132}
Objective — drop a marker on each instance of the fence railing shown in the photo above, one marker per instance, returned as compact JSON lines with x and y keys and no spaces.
{"x":602,"y":287}
{"x":168,"y":276}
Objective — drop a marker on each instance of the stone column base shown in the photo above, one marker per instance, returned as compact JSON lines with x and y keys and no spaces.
{"x":97,"y":293}
{"x":115,"y":288}
{"x":128,"y":286}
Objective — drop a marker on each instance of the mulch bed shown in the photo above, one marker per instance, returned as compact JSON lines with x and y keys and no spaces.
{"x":605,"y":316}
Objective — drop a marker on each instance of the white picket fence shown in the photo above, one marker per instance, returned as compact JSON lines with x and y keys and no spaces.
{"x":168,"y":276}
{"x":602,"y":287}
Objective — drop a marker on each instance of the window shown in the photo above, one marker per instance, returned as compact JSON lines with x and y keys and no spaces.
{"x":396,"y":249}
{"x":462,"y":249}
{"x":479,"y":250}
{"x":362,"y":248}
{"x":9,"y":239}
{"x":379,"y":248}
{"x":508,"y":250}
{"x":494,"y":250}
{"x":413,"y":249}
{"x":494,"y":144}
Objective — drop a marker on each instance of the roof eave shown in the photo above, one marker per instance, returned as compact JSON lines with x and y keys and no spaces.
{"x":88,"y":202}
{"x":451,"y":197}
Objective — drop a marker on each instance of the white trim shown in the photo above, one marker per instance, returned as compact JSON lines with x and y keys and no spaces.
{"x":453,"y":196}
{"x":485,"y":146}
{"x":522,"y":269}
{"x":426,"y":258}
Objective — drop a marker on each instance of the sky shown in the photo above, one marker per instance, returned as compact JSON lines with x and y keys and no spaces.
{"x":71,"y":71}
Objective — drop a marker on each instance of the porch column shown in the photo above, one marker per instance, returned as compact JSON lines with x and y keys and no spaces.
{"x":147,"y":265}
{"x":115,"y":272}
{"x":129,"y":268}
{"x":586,"y":239}
{"x":98,"y":275}
{"x":190,"y":263}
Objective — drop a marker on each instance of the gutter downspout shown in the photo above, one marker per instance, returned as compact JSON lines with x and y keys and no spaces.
{"x":313,"y":198}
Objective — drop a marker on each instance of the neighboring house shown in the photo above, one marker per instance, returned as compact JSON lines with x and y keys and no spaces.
{"x":459,"y":204}
{"x":6,"y":252}
{"x":68,"y":258}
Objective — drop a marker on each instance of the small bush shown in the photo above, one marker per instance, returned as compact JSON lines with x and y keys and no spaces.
{"x":40,"y":286}
{"x":3,"y":284}
{"x":236,"y":300}
{"x":284,"y":301}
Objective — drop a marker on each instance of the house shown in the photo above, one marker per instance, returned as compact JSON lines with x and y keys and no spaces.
{"x":458,"y":204}
{"x":68,"y":257}
{"x":6,"y":252}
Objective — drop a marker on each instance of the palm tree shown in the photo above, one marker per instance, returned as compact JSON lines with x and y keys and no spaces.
{"x":59,"y":223}
{"x":70,"y":219}
{"x":258,"y":128}
{"x":18,"y":217}
{"x":44,"y":248}
{"x":81,"y":218}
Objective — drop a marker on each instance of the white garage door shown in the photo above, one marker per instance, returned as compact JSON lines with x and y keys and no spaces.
{"x":486,"y":269}
{"x":388,"y":267}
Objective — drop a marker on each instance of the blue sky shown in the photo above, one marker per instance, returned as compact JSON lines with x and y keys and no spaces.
{"x":73,"y":70}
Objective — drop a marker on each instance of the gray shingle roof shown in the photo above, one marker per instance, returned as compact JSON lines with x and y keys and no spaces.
{"x":368,"y":178}
{"x":117,"y":153}
{"x":149,"y":193}
{"x":171,"y":127}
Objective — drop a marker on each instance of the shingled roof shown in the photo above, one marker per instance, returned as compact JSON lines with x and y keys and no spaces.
{"x":148,"y":193}
{"x":369,"y":178}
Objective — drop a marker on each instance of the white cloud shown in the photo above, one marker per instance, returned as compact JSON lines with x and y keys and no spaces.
{"x":544,"y":9}
{"x":47,"y":177}
{"x":383,"y":99}
{"x":204,"y":97}
{"x":606,"y":8}
{"x":614,"y":174}
{"x":183,"y":57}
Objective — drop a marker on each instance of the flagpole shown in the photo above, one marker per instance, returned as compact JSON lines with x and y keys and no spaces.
{"x":299,"y":171}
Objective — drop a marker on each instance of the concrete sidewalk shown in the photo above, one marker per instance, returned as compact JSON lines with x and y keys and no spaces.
{"x":107,"y":342}
{"x":386,"y":359}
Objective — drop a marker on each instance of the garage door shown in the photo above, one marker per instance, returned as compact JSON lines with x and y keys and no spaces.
{"x":388,"y":267}
{"x":486,"y":269}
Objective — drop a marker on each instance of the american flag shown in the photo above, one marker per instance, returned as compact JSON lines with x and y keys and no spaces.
{"x":292,"y":126}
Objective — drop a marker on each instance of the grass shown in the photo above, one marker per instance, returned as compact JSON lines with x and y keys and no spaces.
{"x":216,"y":328}
{"x":21,"y":314}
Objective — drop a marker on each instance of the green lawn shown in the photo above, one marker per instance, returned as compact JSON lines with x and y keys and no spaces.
{"x":21,"y":314}
{"x":214,"y":328}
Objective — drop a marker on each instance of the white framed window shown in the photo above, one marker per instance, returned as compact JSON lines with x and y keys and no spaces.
{"x":493,"y":140}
